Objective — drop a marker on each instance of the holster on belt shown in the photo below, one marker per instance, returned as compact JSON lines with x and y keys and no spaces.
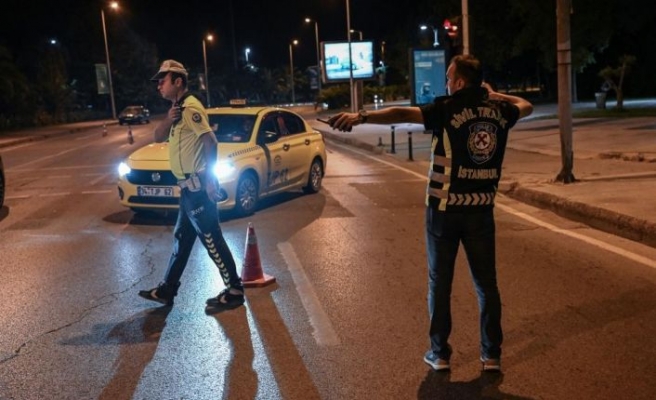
{"x":193,"y":183}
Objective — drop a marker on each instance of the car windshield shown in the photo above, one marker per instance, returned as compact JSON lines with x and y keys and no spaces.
{"x":232,"y":128}
{"x":132,"y":110}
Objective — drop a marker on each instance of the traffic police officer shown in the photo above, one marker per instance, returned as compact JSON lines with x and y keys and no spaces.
{"x":470,"y":129}
{"x":193,"y":154}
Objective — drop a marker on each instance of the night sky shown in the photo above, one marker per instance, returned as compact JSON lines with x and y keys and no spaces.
{"x":178,"y":28}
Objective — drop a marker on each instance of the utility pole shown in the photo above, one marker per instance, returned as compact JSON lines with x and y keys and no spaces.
{"x":465,"y":27}
{"x":564,"y":57}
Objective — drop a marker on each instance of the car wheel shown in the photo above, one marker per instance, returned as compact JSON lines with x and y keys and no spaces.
{"x":246,"y":196}
{"x":314,"y":177}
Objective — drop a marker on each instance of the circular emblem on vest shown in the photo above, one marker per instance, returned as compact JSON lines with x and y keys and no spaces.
{"x":482,"y":142}
{"x":196,"y":117}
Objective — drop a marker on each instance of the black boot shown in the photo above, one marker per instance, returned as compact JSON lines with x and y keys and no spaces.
{"x":163,"y":293}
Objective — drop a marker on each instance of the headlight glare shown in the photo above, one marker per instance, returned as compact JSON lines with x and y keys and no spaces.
{"x":223,"y":170}
{"x":123,"y":169}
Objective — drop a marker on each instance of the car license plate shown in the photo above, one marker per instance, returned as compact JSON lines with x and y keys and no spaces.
{"x":155,"y":191}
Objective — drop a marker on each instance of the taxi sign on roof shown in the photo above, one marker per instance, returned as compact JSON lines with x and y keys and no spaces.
{"x":238,"y":102}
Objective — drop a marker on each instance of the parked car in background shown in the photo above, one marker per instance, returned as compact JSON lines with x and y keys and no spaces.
{"x":134,"y":115}
{"x":261,"y":151}
{"x":2,"y":183}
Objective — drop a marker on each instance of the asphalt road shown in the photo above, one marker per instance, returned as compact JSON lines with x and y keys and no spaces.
{"x":346,"y":318}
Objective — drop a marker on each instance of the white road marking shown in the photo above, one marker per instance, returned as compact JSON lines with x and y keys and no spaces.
{"x":598,"y":243}
{"x":98,"y":192}
{"x":54,"y":194}
{"x":324,"y":334}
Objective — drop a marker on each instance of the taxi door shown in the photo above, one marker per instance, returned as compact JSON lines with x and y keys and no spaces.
{"x":276,"y":150}
{"x":298,"y":154}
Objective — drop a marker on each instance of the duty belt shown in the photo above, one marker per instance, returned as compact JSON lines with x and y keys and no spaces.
{"x":193,"y":182}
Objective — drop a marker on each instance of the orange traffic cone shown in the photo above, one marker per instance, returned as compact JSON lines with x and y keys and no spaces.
{"x":251,"y":273}
{"x":130,"y":138}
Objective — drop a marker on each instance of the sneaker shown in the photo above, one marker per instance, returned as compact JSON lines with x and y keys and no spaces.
{"x":438,"y":364}
{"x":224,"y":301}
{"x":491,"y":364}
{"x":162,"y":294}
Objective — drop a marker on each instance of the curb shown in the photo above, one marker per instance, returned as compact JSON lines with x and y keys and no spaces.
{"x":598,"y":218}
{"x":353,"y":142}
{"x":12,"y":141}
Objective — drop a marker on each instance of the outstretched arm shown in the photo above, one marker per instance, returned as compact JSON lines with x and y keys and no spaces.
{"x":345,"y":121}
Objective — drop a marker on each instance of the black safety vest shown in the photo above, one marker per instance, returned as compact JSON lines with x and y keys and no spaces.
{"x":470,"y":133}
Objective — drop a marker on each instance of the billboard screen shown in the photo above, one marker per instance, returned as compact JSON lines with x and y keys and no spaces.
{"x":428,"y":68}
{"x":335,"y":56}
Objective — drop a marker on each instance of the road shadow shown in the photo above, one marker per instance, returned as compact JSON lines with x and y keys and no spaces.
{"x":137,"y":338}
{"x":4,"y":212}
{"x":241,"y":380}
{"x":438,"y":385}
{"x":168,"y":217}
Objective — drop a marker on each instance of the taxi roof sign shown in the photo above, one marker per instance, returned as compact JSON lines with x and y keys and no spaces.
{"x":238,"y":102}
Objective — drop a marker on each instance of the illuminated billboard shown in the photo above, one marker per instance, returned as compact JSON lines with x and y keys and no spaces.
{"x":428,"y":67}
{"x":335,"y":56}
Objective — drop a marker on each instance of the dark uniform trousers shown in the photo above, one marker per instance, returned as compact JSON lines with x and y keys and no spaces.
{"x":199,"y":217}
{"x":444,"y":233}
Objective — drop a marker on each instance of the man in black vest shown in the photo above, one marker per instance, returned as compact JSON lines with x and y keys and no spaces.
{"x":470,"y":130}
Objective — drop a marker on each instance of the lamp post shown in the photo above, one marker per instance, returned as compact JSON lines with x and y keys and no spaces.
{"x":291,"y":68}
{"x":435,"y":41}
{"x":208,"y":38}
{"x":350,"y":50}
{"x":316,"y":40}
{"x":246,"y":53}
{"x":113,"y":5}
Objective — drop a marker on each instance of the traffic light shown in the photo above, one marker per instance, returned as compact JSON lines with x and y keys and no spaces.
{"x":452,"y":27}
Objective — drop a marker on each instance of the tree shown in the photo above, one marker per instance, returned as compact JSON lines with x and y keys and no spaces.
{"x":614,"y":77}
{"x":15,"y":92}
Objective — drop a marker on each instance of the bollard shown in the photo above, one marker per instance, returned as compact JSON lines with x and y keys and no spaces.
{"x":410,"y":146}
{"x":380,"y":142}
{"x":393,"y":151}
{"x":130,"y":138}
{"x":104,"y":133}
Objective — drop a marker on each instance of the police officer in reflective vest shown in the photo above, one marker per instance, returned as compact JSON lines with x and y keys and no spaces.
{"x":470,"y":129}
{"x":193,"y":154}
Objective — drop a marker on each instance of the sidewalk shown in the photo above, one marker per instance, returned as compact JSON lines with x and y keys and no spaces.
{"x":614,"y":165}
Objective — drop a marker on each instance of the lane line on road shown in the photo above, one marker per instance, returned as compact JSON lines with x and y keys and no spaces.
{"x":97,"y":192}
{"x":598,"y":243}
{"x":324,"y":333}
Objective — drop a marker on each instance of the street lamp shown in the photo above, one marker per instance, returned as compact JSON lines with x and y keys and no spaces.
{"x":246,"y":53}
{"x":291,"y":68}
{"x":316,"y":40}
{"x":356,"y":31}
{"x":435,"y":41}
{"x":113,"y":5}
{"x":208,"y":38}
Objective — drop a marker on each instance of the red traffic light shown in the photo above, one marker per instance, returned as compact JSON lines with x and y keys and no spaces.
{"x":451,"y":29}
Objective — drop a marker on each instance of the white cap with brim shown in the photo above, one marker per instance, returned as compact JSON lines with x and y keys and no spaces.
{"x":169,"y":66}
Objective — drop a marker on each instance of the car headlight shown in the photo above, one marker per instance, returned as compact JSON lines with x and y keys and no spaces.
{"x":224,"y":170}
{"x":123,"y":169}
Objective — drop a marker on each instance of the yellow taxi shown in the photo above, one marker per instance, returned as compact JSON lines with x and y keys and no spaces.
{"x":261,"y":151}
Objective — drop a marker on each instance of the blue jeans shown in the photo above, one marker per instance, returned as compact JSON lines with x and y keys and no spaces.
{"x":198,"y":217}
{"x":444,"y":232}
